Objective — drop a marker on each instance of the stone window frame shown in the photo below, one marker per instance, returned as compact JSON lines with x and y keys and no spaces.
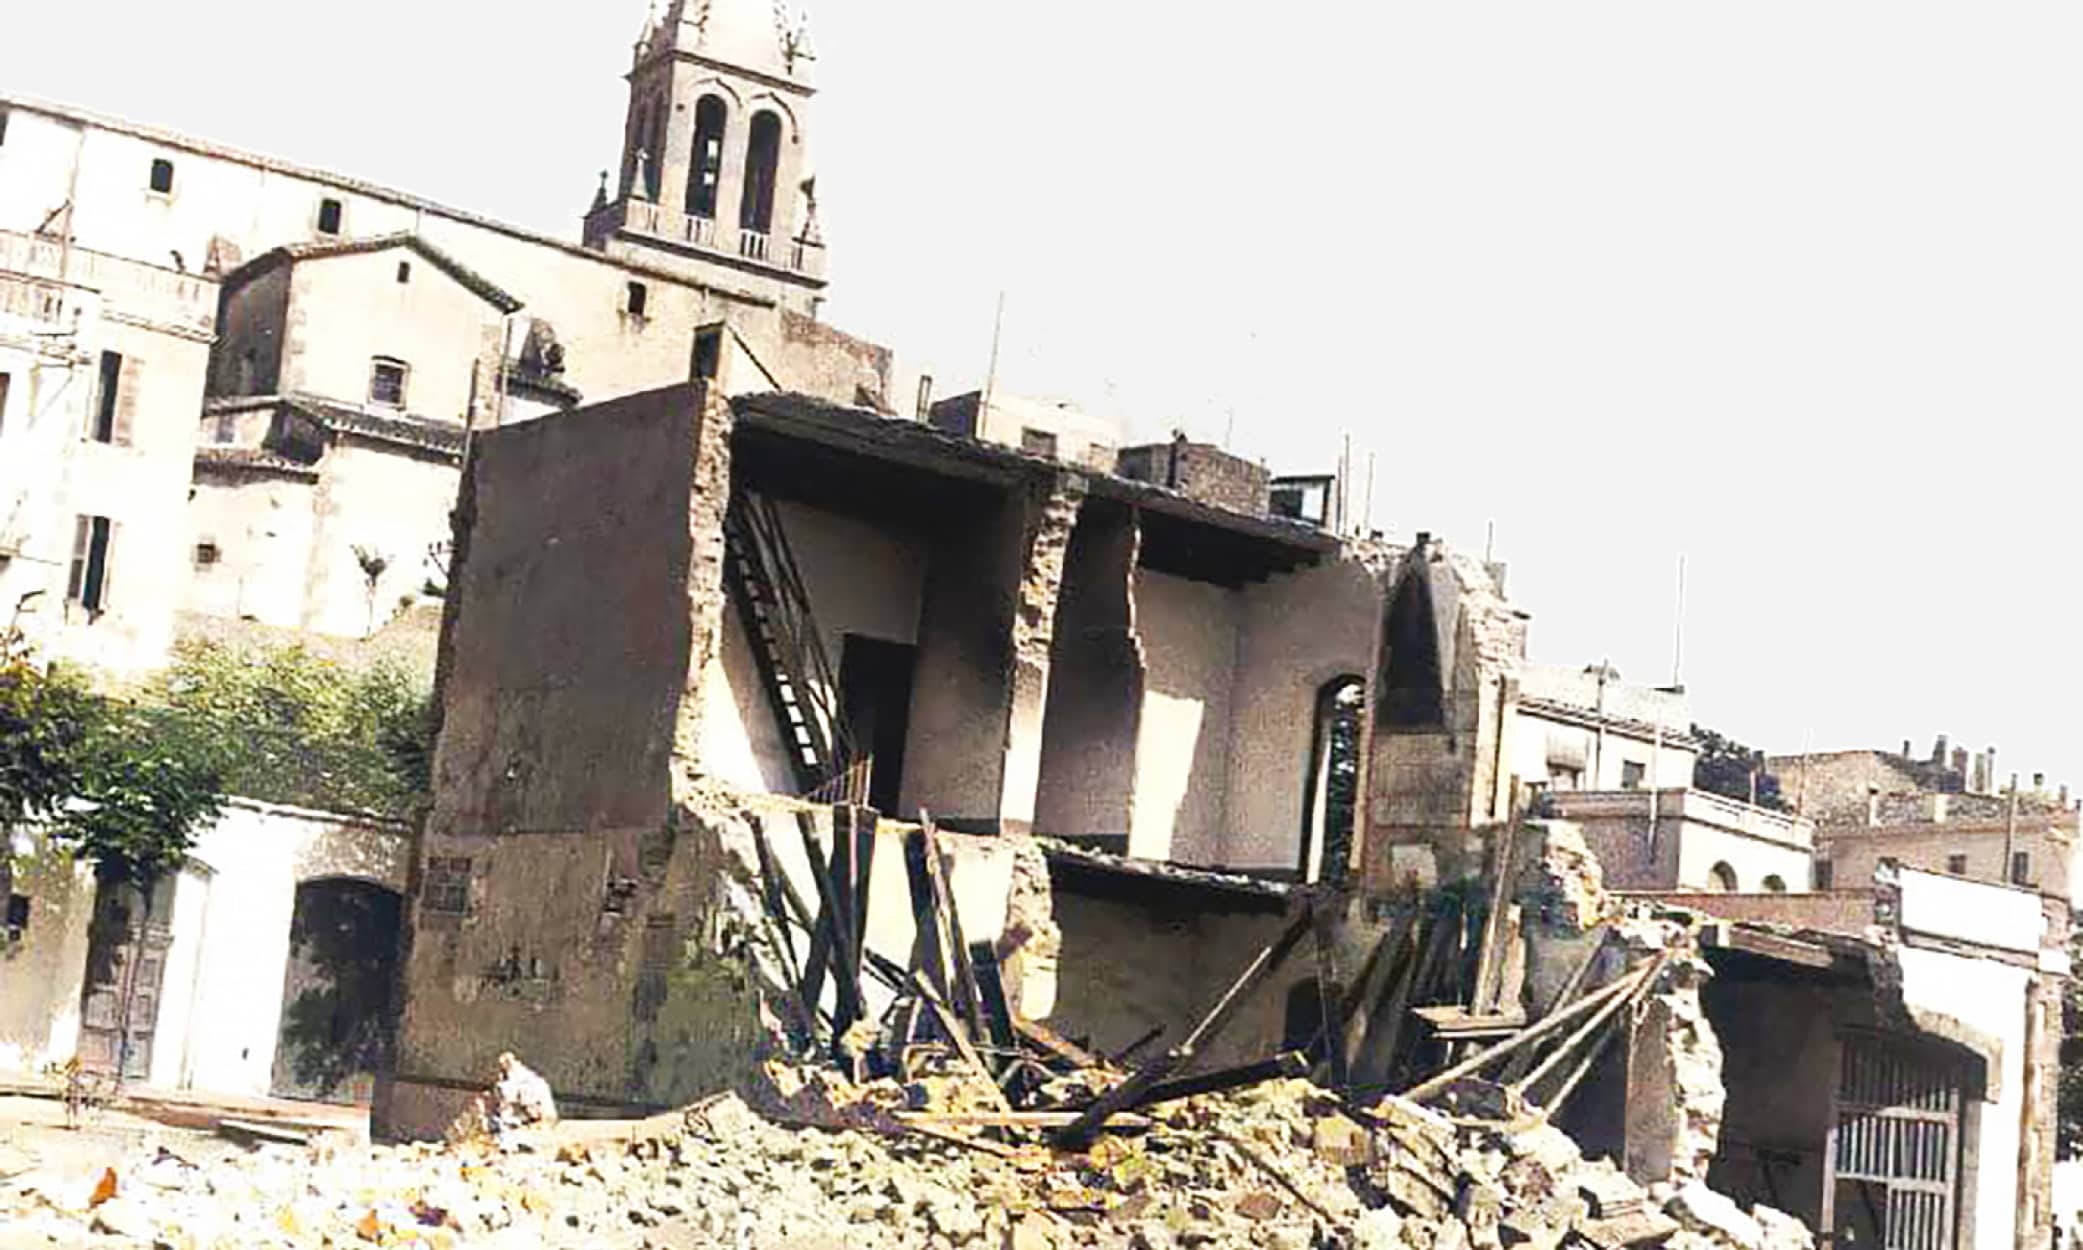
{"x":377,"y":367}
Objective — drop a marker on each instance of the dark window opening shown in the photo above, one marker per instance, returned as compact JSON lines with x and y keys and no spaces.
{"x":1413,"y":697}
{"x":1775,"y":884}
{"x":3,"y":126}
{"x":2021,"y":868}
{"x":708,"y":353}
{"x":1310,"y":1004}
{"x":1334,"y":780}
{"x":875,"y":702}
{"x":1721,"y":879}
{"x":206,"y":553}
{"x":1038,"y":443}
{"x":87,"y":581}
{"x":162,"y":180}
{"x":705,"y":180}
{"x":639,"y":299}
{"x":227,"y":428}
{"x":1825,"y":875}
{"x":106,"y":398}
{"x":329,"y":212}
{"x":387,"y":382}
{"x":1631,"y":774}
{"x":404,"y":271}
{"x":446,"y":889}
{"x":762,"y":167}
{"x":5,"y":380}
{"x":17,"y":904}
{"x":1957,"y":865}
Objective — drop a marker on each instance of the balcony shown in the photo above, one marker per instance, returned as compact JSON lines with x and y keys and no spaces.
{"x":172,"y":298}
{"x":686,"y":230}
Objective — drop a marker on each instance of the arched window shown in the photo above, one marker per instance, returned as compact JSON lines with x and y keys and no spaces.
{"x":1333,"y":781}
{"x":1775,"y":884}
{"x":1414,"y":698}
{"x":1721,"y":879}
{"x":762,"y":167}
{"x":705,"y":171}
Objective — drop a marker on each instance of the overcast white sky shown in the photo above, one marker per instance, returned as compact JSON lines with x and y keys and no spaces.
{"x":1794,"y":288}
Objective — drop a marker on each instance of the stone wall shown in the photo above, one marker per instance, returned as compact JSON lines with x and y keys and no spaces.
{"x":1096,"y":682}
{"x":1200,"y":471}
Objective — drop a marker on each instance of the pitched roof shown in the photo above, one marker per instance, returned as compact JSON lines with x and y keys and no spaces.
{"x":254,"y":460}
{"x":403,"y":429}
{"x":291,"y":253}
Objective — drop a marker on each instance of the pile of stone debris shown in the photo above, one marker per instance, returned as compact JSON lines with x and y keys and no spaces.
{"x":825,"y":1163}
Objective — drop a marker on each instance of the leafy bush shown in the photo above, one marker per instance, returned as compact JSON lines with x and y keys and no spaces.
{"x":288,"y":726}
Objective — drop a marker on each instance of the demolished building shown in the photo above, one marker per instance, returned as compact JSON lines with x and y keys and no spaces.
{"x":703,"y":653}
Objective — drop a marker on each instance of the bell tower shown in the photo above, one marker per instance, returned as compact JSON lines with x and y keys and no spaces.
{"x":715,"y":171}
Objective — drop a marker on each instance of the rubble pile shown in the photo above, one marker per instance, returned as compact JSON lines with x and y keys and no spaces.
{"x":1281,"y":1164}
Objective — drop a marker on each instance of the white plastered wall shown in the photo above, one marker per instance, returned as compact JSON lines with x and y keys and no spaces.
{"x":1295,"y":633}
{"x":1188,"y":632}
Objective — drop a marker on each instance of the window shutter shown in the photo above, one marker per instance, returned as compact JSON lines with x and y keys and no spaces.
{"x":126,"y":400}
{"x":76,"y":581}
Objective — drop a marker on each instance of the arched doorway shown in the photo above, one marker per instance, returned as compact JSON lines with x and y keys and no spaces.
{"x":338,"y":1026}
{"x":1721,"y":879}
{"x":1334,"y":777}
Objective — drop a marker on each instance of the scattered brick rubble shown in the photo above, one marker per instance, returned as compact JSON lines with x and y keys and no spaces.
{"x":1279,"y":1165}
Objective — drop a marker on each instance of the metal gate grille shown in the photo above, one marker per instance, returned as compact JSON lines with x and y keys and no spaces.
{"x":1897,"y":1130}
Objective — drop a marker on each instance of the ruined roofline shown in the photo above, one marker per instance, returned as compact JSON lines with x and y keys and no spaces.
{"x":231,"y":461}
{"x":1260,"y":890}
{"x":405,"y":429}
{"x":376,"y":191}
{"x":905,"y":441}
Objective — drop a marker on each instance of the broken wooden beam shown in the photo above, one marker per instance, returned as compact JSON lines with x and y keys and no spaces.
{"x":1527,"y":1037}
{"x":1293,"y":1063}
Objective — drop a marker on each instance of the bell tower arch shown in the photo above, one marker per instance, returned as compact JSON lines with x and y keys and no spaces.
{"x":715,"y":169}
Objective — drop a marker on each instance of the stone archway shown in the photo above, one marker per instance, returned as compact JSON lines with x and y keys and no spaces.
{"x":338,"y":1025}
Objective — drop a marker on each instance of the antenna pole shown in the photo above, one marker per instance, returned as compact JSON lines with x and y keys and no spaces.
{"x":1678,"y":642}
{"x":991,"y":373}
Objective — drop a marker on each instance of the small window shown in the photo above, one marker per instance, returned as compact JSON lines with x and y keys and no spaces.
{"x":1038,"y":443}
{"x":87,"y":582}
{"x":708,"y":353}
{"x":1825,"y":875}
{"x":227,"y":429}
{"x":638,"y":300}
{"x":329,"y":212}
{"x":106,"y":398}
{"x":1957,"y":865}
{"x":162,"y":180}
{"x":5,"y":380}
{"x":446,"y":889}
{"x":404,"y":271}
{"x":2021,"y":868}
{"x":1631,"y":775}
{"x":387,"y":382}
{"x":17,"y":904}
{"x":206,"y":553}
{"x":1563,"y":777}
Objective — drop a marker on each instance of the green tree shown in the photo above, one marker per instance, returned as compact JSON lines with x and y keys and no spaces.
{"x":45,"y":719}
{"x":289,"y":726}
{"x":1726,"y":767}
{"x":104,"y":780}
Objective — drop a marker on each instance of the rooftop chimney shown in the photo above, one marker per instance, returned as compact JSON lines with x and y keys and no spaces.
{"x":2039,"y":781}
{"x":1938,"y":751}
{"x":1978,"y":780}
{"x":1990,"y":787}
{"x":1905,"y":748}
{"x":1960,"y":763}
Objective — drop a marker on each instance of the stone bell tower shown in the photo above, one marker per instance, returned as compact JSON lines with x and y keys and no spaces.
{"x":715,"y":179}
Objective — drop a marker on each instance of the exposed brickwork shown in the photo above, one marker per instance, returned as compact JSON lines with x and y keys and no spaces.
{"x":1200,"y":471}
